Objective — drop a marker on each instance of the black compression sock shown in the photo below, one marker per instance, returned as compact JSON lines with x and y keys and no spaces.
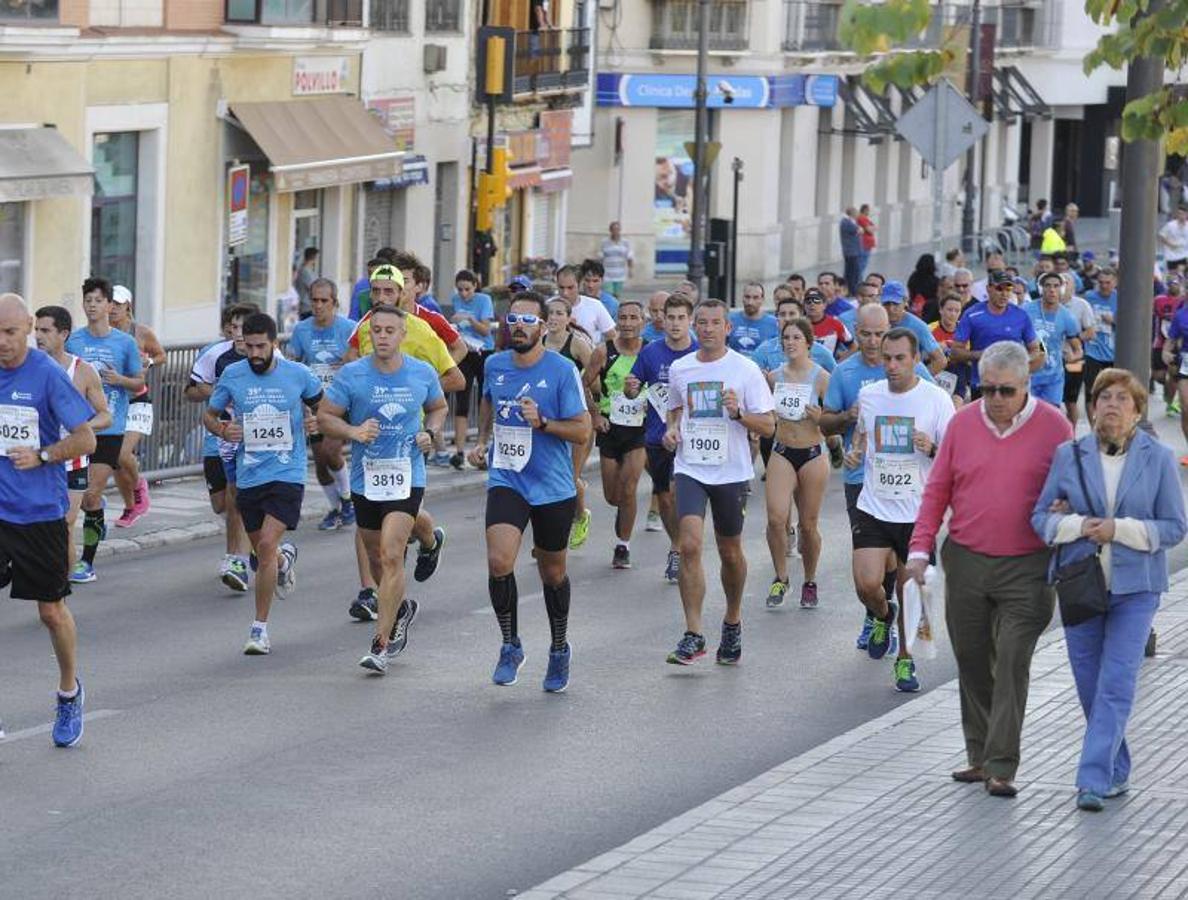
{"x":557,"y":604}
{"x":92,"y":529}
{"x":504,"y":600}
{"x":889,"y":581}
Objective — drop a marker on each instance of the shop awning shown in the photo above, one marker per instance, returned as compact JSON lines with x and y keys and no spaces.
{"x":1015,"y":96}
{"x":320,"y":142}
{"x":523,"y":177}
{"x":867,"y":113}
{"x":36,"y":163}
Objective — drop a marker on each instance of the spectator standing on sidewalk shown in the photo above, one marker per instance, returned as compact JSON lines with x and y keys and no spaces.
{"x":869,"y":240}
{"x":1126,"y":505}
{"x":617,"y":260}
{"x":851,"y":244}
{"x":997,"y":599}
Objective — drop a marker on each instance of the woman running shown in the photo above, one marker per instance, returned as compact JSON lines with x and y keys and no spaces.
{"x":133,"y":488}
{"x":565,"y":336}
{"x":798,"y":470}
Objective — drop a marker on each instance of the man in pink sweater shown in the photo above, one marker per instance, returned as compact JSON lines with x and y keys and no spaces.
{"x":989,"y":471}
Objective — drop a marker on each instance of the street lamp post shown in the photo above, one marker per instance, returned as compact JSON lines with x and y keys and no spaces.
{"x":736,"y":166}
{"x":969,"y":224}
{"x":696,"y":238}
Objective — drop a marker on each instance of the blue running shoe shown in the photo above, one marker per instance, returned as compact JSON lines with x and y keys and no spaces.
{"x":348,"y":513}
{"x":366,"y":606}
{"x":881,"y":633}
{"x":689,"y":649}
{"x":730,"y":647}
{"x":68,"y":725}
{"x":672,"y":568}
{"x":906,"y":681}
{"x":332,"y":521}
{"x":82,"y":573}
{"x":511,"y":658}
{"x":864,"y":635}
{"x":557,"y":677}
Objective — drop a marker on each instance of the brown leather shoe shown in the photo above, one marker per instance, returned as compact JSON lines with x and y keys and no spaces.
{"x":1000,"y":787}
{"x":972,"y":775}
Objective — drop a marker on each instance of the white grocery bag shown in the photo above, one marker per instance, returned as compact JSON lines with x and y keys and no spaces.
{"x":924,"y":613}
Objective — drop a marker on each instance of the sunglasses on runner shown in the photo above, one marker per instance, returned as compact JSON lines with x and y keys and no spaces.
{"x":521,"y":319}
{"x":1003,"y":390}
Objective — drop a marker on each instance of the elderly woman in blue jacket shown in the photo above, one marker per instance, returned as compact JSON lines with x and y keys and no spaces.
{"x":1133,"y":513}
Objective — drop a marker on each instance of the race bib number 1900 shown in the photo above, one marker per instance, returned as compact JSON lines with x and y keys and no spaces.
{"x":705,"y":441}
{"x":19,"y":427}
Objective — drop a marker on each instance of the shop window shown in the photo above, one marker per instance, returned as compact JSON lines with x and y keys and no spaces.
{"x":443,"y":15}
{"x":271,"y":12}
{"x":247,"y":276}
{"x":390,"y":15}
{"x":28,"y":10}
{"x":12,"y":247}
{"x":113,"y":207}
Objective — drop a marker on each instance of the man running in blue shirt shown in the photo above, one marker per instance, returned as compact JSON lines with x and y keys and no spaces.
{"x":40,"y":404}
{"x":894,"y":300}
{"x":320,"y":342}
{"x":534,"y":407}
{"x":1057,"y":329}
{"x":377,"y":403}
{"x":989,"y":321}
{"x":269,"y":395}
{"x":1099,"y":352}
{"x":751,"y":326}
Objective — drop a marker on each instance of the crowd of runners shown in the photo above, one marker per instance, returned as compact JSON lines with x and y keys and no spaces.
{"x":816,"y":377}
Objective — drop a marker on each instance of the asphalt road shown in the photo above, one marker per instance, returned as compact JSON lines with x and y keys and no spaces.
{"x":205,"y":773}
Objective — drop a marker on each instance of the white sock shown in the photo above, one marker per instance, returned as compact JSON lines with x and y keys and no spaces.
{"x":342,"y":480}
{"x":331,"y":492}
{"x":626,"y":545}
{"x":69,"y":695}
{"x":263,"y":626}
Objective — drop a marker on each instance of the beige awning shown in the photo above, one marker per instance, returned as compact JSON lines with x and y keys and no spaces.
{"x":36,"y":163}
{"x":319,"y":142}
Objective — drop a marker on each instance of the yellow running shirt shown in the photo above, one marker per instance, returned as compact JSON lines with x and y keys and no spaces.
{"x":420,"y":342}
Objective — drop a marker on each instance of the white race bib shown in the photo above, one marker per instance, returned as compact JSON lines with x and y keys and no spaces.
{"x":1184,"y":365}
{"x":705,"y":441}
{"x":897,"y":477}
{"x":387,"y":479}
{"x":625,"y":411}
{"x":513,"y":447}
{"x":948,"y":381}
{"x":267,"y":432}
{"x":140,"y":418}
{"x":791,"y":400}
{"x":19,"y":427}
{"x":658,"y":397}
{"x":325,"y":373}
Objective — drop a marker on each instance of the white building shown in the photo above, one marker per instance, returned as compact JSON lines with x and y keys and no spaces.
{"x":812,"y":140}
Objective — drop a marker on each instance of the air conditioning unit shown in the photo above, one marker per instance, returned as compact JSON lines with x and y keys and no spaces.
{"x":434,"y":58}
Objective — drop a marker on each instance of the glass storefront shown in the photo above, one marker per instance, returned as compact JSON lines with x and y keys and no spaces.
{"x":113,"y":208}
{"x":12,"y":247}
{"x":247,"y":277}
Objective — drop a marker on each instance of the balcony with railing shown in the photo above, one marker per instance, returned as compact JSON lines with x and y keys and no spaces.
{"x":554,"y":60}
{"x":345,"y":12}
{"x":810,"y":26}
{"x":28,"y":12}
{"x":674,"y":25}
{"x":1023,"y":24}
{"x":390,"y":16}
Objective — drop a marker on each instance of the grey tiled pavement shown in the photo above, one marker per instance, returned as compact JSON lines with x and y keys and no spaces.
{"x":874,"y":810}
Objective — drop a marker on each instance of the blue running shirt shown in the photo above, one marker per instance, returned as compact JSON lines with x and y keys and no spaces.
{"x":770,"y":355}
{"x":116,"y":350}
{"x":322,"y":349}
{"x":1052,"y":329}
{"x":651,"y":367}
{"x":396,"y":401}
{"x":747,"y":334}
{"x":37,"y":401}
{"x":271,"y":410}
{"x":1101,"y":348}
{"x":536,"y":465}
{"x":981,"y":328}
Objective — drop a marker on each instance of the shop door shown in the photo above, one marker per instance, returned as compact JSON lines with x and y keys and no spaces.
{"x":445,"y":229}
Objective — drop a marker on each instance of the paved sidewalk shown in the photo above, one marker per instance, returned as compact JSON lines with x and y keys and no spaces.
{"x":874,"y":810}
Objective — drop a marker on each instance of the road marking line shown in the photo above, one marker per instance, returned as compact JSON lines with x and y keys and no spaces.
{"x":49,"y":726}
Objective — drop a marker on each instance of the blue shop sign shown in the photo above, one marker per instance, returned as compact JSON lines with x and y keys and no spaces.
{"x":724,"y":91}
{"x":414,"y":170}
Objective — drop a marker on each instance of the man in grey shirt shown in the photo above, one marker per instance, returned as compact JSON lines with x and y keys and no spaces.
{"x":617,"y":260}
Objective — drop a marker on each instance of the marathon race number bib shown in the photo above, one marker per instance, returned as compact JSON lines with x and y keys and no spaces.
{"x":513,"y":447}
{"x":267,"y":432}
{"x":19,"y":427}
{"x":325,"y":373}
{"x":705,"y":441}
{"x":387,"y":479}
{"x":625,"y":411}
{"x":658,"y":397}
{"x":948,"y":381}
{"x":791,"y":400}
{"x":140,"y":418}
{"x":897,"y":477}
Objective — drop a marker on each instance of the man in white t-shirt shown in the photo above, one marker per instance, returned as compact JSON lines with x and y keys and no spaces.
{"x":587,"y":312}
{"x":1173,"y":236}
{"x":716,"y":398}
{"x":901,"y":422}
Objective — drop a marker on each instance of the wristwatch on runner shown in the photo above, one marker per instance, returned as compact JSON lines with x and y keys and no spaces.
{"x":44,"y":456}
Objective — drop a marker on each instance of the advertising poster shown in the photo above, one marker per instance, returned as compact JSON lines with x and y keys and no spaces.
{"x":238,"y":178}
{"x":672,"y":206}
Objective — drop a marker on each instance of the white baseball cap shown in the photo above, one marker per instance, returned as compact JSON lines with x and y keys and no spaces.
{"x":121,"y":294}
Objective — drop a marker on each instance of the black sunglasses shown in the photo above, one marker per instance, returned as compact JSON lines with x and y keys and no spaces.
{"x":1003,"y":390}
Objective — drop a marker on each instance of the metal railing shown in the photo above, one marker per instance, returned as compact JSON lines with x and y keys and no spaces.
{"x":674,"y":25}
{"x":552,"y":60}
{"x":809,"y":25}
{"x":443,"y":15}
{"x":390,"y":15}
{"x":174,"y":449}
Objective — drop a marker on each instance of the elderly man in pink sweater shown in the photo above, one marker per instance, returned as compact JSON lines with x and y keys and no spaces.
{"x":989,"y":470}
